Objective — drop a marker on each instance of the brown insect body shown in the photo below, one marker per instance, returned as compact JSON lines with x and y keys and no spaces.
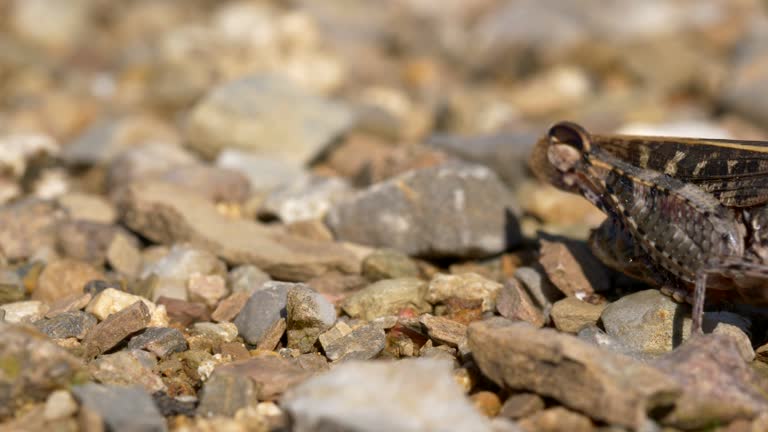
{"x":687,"y":228}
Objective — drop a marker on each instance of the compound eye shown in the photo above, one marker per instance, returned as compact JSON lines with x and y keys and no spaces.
{"x":567,"y":143}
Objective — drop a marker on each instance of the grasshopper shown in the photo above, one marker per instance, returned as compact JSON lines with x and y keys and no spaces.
{"x":684,"y":214}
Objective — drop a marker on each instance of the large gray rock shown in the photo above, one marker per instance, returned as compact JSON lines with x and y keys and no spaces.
{"x":168,"y":215}
{"x":268,"y":115}
{"x":449,"y":210}
{"x":606,"y":386}
{"x":408,"y":395}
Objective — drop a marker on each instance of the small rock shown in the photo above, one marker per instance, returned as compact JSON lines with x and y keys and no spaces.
{"x":486,"y":402}
{"x":183,"y":312}
{"x":556,"y":419}
{"x":151,"y":208}
{"x":123,"y":255}
{"x":409,"y":213}
{"x":571,"y":314}
{"x":28,"y":227}
{"x":160,"y":341}
{"x":226,"y":393}
{"x":465,"y":286}
{"x":228,"y":308}
{"x":710,"y":368}
{"x":272,"y":336}
{"x":175,"y":269}
{"x":265,"y":307}
{"x":207,"y":289}
{"x":388,"y":297}
{"x":308,"y":315}
{"x":88,"y":207}
{"x":214,"y":183}
{"x":88,"y":241}
{"x":111,"y":301}
{"x":339,"y":330}
{"x":271,"y":374}
{"x":130,"y":367}
{"x":604,"y":385}
{"x":268,"y":115}
{"x":306,"y":198}
{"x":146,"y":161}
{"x":521,"y":405}
{"x":264,"y":172}
{"x":539,"y":287}
{"x":37,"y":367}
{"x":246,"y":278}
{"x":444,"y":331}
{"x":515,"y":304}
{"x":64,"y":278}
{"x":121,"y":408}
{"x":59,"y":405}
{"x":69,"y":304}
{"x":363,"y":343}
{"x":389,"y":264}
{"x":116,"y":327}
{"x":225,"y":331}
{"x":24,"y":311}
{"x":572,"y":268}
{"x":11,"y":287}
{"x":67,"y":325}
{"x":378,"y":396}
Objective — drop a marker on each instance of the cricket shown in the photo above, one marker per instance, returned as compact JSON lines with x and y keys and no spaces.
{"x":684,"y":214}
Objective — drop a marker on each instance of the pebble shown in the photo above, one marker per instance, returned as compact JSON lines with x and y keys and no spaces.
{"x":571,"y":314}
{"x":572,"y":268}
{"x":28,"y":227}
{"x":487,"y":403}
{"x":389,"y":264}
{"x":246,"y":278}
{"x":362,"y":343}
{"x":306,"y":198}
{"x":514,"y":303}
{"x":11,"y":287}
{"x":409,"y":213}
{"x":264,"y":307}
{"x":64,"y":278}
{"x":237,"y":241}
{"x":115,"y":328}
{"x":308,"y":315}
{"x":111,"y":301}
{"x":387,"y":297}
{"x":175,"y":269}
{"x":264,"y":172}
{"x":271,"y":374}
{"x":123,"y":255}
{"x":88,"y":207}
{"x":521,"y":405}
{"x":223,"y":394}
{"x":206,"y":289}
{"x":160,"y":341}
{"x":67,"y":325}
{"x":556,"y":419}
{"x":125,"y":368}
{"x":146,"y":161}
{"x":469,"y":286}
{"x":444,"y":331}
{"x":213,"y":183}
{"x":228,"y":308}
{"x":267,"y":115}
{"x":378,"y":397}
{"x":59,"y":405}
{"x":24,"y":311}
{"x":120,"y":407}
{"x":503,"y":350}
{"x":184,"y":313}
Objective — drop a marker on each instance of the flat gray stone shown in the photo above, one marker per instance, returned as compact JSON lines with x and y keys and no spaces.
{"x":67,"y":325}
{"x":262,"y":310}
{"x":160,"y":341}
{"x":451,"y":210}
{"x":122,"y":408}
